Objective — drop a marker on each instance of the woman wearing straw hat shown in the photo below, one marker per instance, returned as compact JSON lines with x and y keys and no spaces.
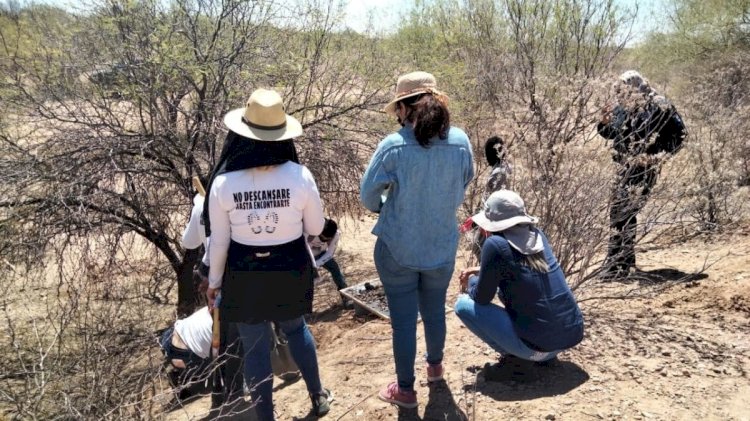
{"x":260,"y":202}
{"x":424,"y":168}
{"x":540,"y":316}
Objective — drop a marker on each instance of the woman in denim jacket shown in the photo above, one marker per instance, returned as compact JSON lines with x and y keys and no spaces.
{"x":424,"y":170}
{"x":539,"y":317}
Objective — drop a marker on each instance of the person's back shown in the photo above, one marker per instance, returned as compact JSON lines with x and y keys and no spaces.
{"x":195,"y":331}
{"x":425,"y":168}
{"x":260,"y":203}
{"x":539,"y":317}
{"x":540,"y":304}
{"x":266,"y":206}
{"x":426,"y":188}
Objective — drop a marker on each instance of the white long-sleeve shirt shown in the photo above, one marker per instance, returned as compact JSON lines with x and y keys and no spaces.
{"x":196,"y":331}
{"x":261,"y":207}
{"x":318,"y":246}
{"x":195,"y":233}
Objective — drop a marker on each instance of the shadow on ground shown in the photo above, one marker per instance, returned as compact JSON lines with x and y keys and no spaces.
{"x":658,"y":276}
{"x":440,"y":406}
{"x":531,"y":382}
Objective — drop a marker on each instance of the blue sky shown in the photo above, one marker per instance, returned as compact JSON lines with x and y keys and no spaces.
{"x":651,"y":15}
{"x":386,"y":14}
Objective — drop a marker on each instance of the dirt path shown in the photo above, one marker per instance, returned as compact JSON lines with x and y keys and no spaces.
{"x":677,"y":353}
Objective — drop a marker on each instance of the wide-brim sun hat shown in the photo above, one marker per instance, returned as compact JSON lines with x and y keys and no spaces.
{"x":504,"y":211}
{"x":263,"y":118}
{"x":413,"y":84}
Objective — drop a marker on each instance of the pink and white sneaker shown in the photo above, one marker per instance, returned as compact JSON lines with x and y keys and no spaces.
{"x":393,"y":394}
{"x":434,"y":372}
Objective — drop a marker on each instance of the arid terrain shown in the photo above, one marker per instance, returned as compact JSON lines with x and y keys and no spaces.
{"x":671,"y":343}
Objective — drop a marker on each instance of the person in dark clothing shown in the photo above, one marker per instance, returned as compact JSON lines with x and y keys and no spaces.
{"x":645,"y":129}
{"x":496,"y":153}
{"x":539,"y":317}
{"x":497,"y":157}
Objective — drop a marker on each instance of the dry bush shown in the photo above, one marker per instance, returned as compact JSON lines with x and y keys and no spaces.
{"x":719,"y":150}
{"x":80,"y":337}
{"x":536,"y":70}
{"x":97,"y":175}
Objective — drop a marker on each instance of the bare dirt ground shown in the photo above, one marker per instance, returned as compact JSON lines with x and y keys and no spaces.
{"x":675,"y":350}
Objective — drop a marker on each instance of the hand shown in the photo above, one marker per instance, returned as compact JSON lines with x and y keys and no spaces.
{"x":607,"y":114}
{"x":200,"y":275}
{"x":463,"y":277}
{"x":211,"y":294}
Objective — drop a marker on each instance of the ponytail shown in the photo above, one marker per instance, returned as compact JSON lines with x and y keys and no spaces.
{"x":537,"y":262}
{"x":430,"y":115}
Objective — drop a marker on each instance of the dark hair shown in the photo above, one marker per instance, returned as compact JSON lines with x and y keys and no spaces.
{"x":494,"y":150}
{"x":431,"y":117}
{"x":329,"y":229}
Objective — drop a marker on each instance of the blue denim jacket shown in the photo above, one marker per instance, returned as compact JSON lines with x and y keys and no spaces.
{"x":424,"y":188}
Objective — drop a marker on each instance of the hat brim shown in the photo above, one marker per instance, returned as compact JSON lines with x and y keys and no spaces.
{"x":525,"y":239}
{"x":233,"y":122}
{"x":496,"y":226}
{"x":390,"y":109}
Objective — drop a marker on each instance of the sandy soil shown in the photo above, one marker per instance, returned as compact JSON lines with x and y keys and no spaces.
{"x":675,"y":350}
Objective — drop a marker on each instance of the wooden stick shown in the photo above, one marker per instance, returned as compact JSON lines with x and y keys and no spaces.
{"x":199,"y":186}
{"x":215,"y":339}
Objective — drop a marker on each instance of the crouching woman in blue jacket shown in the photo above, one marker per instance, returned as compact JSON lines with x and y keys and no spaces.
{"x":539,"y":316}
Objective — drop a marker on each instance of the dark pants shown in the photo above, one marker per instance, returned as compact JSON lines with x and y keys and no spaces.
{"x":335,"y":270}
{"x":629,"y":196}
{"x":228,"y":380}
{"x":196,"y":368}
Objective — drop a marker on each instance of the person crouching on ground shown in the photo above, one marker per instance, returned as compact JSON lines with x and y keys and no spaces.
{"x":186,"y":348}
{"x":539,"y":317}
{"x":323,"y":247}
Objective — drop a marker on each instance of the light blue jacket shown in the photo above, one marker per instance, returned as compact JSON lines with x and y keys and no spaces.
{"x":424,"y":187}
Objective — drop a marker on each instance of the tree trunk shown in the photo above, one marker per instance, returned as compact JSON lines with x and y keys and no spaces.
{"x":188,"y":295}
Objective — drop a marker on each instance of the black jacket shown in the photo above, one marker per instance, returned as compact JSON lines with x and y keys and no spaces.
{"x":651,"y":128}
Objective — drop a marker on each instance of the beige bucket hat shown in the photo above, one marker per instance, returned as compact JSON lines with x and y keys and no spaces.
{"x":263,"y":118}
{"x":412,"y":84}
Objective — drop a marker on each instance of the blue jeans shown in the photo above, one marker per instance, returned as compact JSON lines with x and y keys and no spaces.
{"x":408,"y":290}
{"x":492,"y":324}
{"x":256,"y":341}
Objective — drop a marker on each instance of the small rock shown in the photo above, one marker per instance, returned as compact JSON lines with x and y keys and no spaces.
{"x":647,"y":414}
{"x":686,"y":373}
{"x":550,"y":417}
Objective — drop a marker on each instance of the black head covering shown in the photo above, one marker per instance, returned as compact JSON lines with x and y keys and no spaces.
{"x":240,"y":153}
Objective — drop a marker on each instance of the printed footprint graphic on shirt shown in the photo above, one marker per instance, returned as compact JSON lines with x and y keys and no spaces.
{"x":272,"y":219}
{"x":251,"y":220}
{"x":259,"y":224}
